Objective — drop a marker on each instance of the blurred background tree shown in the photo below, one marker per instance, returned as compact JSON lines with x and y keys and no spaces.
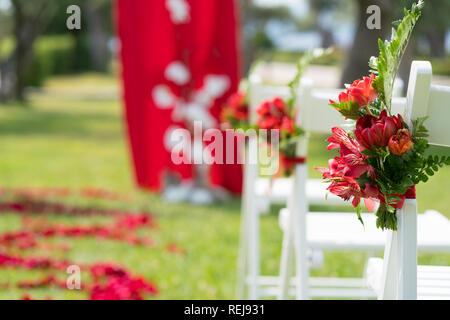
{"x":428,"y":40}
{"x":28,"y":21}
{"x":318,"y":7}
{"x":430,"y":37}
{"x":253,"y":22}
{"x":365,"y":42}
{"x":35,"y":42}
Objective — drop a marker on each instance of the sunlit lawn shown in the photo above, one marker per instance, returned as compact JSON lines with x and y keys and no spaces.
{"x":71,"y":135}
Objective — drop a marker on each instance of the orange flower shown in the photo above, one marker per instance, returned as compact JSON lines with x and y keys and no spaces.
{"x":356,"y":96}
{"x":362,"y":91}
{"x":400,"y":142}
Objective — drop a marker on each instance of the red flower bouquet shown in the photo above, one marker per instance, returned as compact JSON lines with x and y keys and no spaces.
{"x":235,"y":112}
{"x":383,"y":158}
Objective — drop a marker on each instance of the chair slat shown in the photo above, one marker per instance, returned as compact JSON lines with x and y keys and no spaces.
{"x":318,"y":116}
{"x":439,"y":115}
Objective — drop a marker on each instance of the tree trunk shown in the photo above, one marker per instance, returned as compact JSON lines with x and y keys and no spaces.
{"x":247,"y":45}
{"x":327,"y":39}
{"x":405,"y":66}
{"x":26,"y":29}
{"x":20,"y":51}
{"x":97,"y":37}
{"x":365,"y":43}
{"x":436,"y":39}
{"x":7,"y":79}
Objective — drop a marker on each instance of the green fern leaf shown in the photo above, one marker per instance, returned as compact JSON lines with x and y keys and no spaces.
{"x":391,"y":53}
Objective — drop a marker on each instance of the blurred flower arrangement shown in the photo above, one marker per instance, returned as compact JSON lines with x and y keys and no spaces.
{"x":235,"y":113}
{"x":383,"y":158}
{"x":278,"y":114}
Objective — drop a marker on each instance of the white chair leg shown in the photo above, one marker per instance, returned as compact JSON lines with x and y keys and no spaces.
{"x":407,"y":236}
{"x":253,"y":254}
{"x":399,"y":278}
{"x":248,"y":256}
{"x":300,"y":209}
{"x":243,"y":253}
{"x":389,"y":277}
{"x":287,"y":251}
{"x":252,"y":172}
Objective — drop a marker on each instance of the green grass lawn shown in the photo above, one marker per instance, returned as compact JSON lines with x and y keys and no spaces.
{"x":72,"y":135}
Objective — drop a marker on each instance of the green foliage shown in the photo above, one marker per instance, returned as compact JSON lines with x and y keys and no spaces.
{"x":262,"y":41}
{"x":391,"y":53}
{"x":358,"y":210}
{"x":348,"y":109}
{"x":56,"y":55}
{"x":386,"y":217}
{"x":51,"y":55}
{"x":288,"y":142}
{"x":396,"y":174}
{"x":435,"y":15}
{"x":6,"y":47}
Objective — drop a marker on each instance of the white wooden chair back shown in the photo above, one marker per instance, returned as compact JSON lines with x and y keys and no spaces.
{"x":399,"y":278}
{"x":316,"y":114}
{"x":426,"y":99}
{"x":439,"y":115}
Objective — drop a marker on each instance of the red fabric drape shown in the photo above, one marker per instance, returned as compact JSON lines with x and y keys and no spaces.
{"x":199,"y":35}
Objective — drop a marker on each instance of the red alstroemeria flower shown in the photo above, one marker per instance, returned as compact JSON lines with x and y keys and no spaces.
{"x":342,"y":140}
{"x":348,"y":189}
{"x":345,"y":170}
{"x":372,"y":132}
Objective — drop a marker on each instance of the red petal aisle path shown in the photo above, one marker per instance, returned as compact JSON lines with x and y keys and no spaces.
{"x":47,"y":192}
{"x":122,"y":229}
{"x":108,"y":281}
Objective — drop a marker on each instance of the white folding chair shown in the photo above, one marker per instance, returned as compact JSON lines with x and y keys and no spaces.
{"x":259,"y":192}
{"x":398,"y":276}
{"x":305,"y":231}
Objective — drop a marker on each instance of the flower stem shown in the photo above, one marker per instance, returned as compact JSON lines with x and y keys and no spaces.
{"x":368,"y":110}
